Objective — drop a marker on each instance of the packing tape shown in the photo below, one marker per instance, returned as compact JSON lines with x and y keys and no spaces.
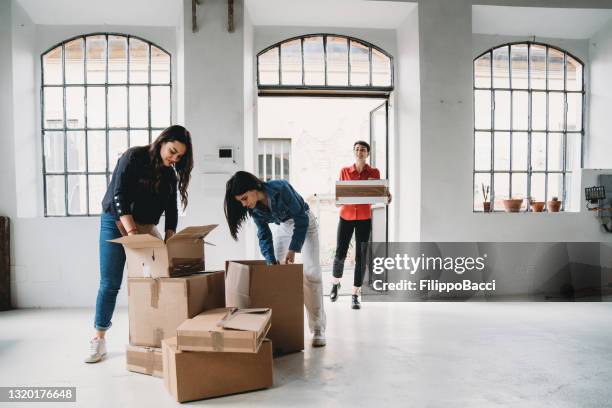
{"x":158,"y":333}
{"x":216,"y":342}
{"x":154,"y":293}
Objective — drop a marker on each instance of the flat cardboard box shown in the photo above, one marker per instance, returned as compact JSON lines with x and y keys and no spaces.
{"x":253,"y":284}
{"x":157,"y":307}
{"x":150,"y":257}
{"x":194,"y":375}
{"x":362,"y":191}
{"x":226,"y":330}
{"x":144,"y":360}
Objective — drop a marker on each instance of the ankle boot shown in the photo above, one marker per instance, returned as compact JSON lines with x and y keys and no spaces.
{"x":333,"y":295}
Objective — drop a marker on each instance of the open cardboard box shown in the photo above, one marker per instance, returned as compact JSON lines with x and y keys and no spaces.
{"x":225,"y":329}
{"x":151,"y":257}
{"x":362,"y":191}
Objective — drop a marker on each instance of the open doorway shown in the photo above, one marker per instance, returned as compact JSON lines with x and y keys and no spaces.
{"x":307,"y":140}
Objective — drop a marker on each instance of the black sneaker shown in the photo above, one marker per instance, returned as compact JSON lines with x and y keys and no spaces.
{"x":355,"y":302}
{"x":333,"y":295}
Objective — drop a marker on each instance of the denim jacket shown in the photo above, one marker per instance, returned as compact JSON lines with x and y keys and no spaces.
{"x":284,"y":204}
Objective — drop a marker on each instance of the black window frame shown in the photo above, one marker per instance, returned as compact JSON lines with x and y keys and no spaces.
{"x":106,"y":129}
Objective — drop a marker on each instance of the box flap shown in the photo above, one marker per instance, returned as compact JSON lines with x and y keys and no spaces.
{"x":237,"y":285}
{"x":139,"y":241}
{"x":194,"y":232}
{"x":246,"y":319}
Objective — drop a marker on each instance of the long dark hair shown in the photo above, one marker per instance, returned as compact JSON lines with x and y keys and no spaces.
{"x":174,"y":133}
{"x":235,"y":213}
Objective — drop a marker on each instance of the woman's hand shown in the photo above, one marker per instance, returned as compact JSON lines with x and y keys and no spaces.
{"x":290,"y":258}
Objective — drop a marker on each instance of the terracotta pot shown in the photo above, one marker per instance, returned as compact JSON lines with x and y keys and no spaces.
{"x":554,"y":206}
{"x":537,"y":206}
{"x":486,"y":206}
{"x":513,"y":204}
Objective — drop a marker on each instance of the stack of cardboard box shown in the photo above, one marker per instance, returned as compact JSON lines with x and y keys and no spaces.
{"x":181,"y":329}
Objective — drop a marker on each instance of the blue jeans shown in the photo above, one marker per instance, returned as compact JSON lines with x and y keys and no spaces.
{"x":112,"y":261}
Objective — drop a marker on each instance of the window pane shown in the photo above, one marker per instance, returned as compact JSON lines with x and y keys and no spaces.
{"x":360,"y":64}
{"x":268,"y":67}
{"x":538,"y":187}
{"x":502,"y":190}
{"x":139,"y":106}
{"x":519,"y":66}
{"x":337,"y":61}
{"x":139,"y":61}
{"x":97,"y":188}
{"x":160,"y":106}
{"x":56,"y":193}
{"x":260,"y":161}
{"x":501,"y":155}
{"x":573,"y":152}
{"x":291,"y":63}
{"x":54,"y":108}
{"x":574,"y":75}
{"x":117,"y":59}
{"x":117,"y":145}
{"x":77,"y":195}
{"x":76,"y":151}
{"x":480,"y":180}
{"x":574,"y":111}
{"x":538,"y":110}
{"x":96,"y":59}
{"x":501,"y":77}
{"x":314,"y":63}
{"x":520,"y":110}
{"x":52,"y":67}
{"x":482,"y":109}
{"x":482,"y":71}
{"x":538,"y":151}
{"x":555,"y":186}
{"x":502,"y":110}
{"x":117,"y":106}
{"x":555,"y":151}
{"x":555,"y":69}
{"x":519,"y":185}
{"x":54,"y":152}
{"x":519,"y":151}
{"x":286,"y":169}
{"x":556,"y":111}
{"x":155,"y":133}
{"x":482,"y":151}
{"x":96,"y":150}
{"x":139,"y":138}
{"x":75,"y":107}
{"x":381,"y":69}
{"x":160,"y":66}
{"x":538,"y":66}
{"x":96,"y":107}
{"x":75,"y":67}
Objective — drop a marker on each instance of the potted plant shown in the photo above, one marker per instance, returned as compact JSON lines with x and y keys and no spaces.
{"x":486,"y":204}
{"x":537,"y":206}
{"x":554,"y":205}
{"x":513,"y":204}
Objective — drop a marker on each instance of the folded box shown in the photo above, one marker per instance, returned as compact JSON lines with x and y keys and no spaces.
{"x":226,"y":329}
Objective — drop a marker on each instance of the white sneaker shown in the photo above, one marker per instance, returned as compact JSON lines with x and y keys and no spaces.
{"x":97,"y":350}
{"x":318,"y":339}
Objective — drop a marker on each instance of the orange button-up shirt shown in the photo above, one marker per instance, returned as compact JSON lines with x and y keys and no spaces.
{"x":353,"y":212}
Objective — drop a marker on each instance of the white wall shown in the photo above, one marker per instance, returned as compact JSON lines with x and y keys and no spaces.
{"x":408,"y":135}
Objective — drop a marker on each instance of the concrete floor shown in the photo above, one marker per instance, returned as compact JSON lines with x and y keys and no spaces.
{"x":387,"y":354}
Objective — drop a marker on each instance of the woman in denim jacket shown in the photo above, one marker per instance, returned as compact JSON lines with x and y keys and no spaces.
{"x":277,"y":202}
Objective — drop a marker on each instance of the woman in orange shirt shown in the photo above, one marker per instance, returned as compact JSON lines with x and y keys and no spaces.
{"x":354,"y":218}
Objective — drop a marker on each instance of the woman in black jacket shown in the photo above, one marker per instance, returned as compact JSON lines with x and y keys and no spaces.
{"x":145,"y":184}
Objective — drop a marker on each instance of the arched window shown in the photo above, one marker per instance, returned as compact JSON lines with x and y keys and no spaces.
{"x":528,"y":116}
{"x":324,"y":62}
{"x":100,"y":95}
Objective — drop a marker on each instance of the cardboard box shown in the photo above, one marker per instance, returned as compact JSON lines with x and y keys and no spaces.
{"x":253,"y":284}
{"x":227,"y":329}
{"x":150,"y":257}
{"x":194,"y":375}
{"x":145,"y":360}
{"x":362,"y":191}
{"x":157,"y":307}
